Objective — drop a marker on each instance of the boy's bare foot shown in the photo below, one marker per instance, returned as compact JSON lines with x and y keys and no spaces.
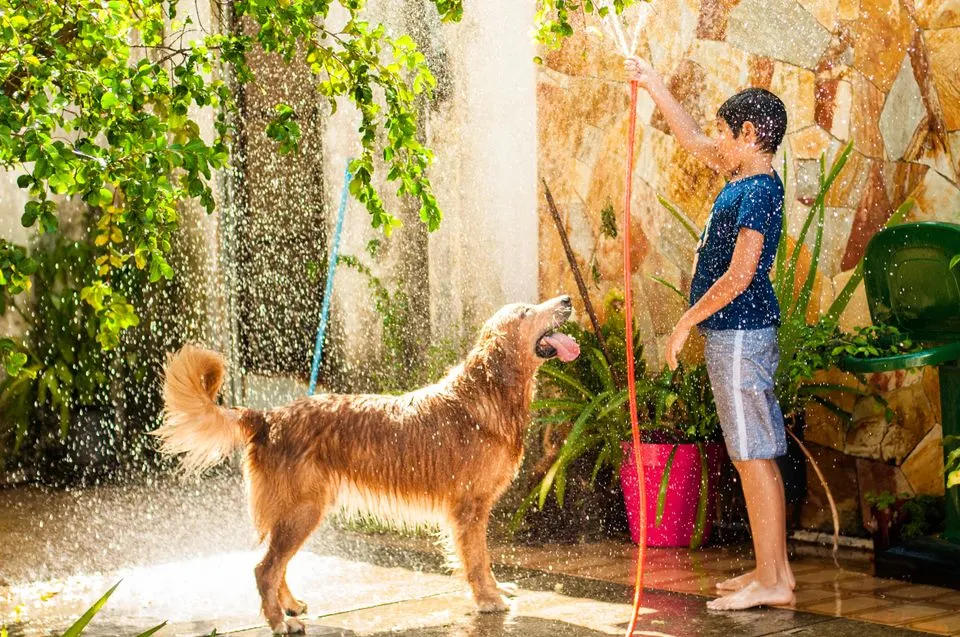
{"x":752,"y":595}
{"x":734,"y":584}
{"x":737,"y":583}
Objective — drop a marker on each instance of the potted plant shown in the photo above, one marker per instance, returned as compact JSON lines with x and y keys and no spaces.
{"x":679,"y":423}
{"x":584,"y":404}
{"x":805,"y":341}
{"x":681,"y":453}
{"x":880,"y":341}
{"x":903,"y":517}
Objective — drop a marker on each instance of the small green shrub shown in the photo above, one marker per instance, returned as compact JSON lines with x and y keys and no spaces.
{"x":873,"y":341}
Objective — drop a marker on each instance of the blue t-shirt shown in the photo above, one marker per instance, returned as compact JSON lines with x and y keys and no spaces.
{"x":754,"y":202}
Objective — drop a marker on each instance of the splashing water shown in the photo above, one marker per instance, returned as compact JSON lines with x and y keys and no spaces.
{"x":615,"y":25}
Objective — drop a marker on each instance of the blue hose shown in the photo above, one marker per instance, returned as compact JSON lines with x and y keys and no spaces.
{"x":328,"y":290}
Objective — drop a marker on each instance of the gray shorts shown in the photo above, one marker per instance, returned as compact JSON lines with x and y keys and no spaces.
{"x":741,"y":365}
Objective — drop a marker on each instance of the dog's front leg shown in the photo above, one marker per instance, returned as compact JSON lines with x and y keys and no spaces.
{"x":470,"y":535}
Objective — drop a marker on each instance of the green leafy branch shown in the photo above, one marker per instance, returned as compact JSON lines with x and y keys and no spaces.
{"x":100,"y":102}
{"x":552,"y":18}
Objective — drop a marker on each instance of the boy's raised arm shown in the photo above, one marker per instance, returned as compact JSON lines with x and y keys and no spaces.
{"x":684,"y":128}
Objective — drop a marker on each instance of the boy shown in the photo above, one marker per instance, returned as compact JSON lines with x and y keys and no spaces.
{"x":733,"y":303}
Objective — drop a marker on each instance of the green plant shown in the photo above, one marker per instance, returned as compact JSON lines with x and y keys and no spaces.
{"x":103,"y":102}
{"x":925,"y":516}
{"x":796,"y":337}
{"x":585,"y":396}
{"x":65,"y":367}
{"x":16,"y":268}
{"x":552,"y":19}
{"x":904,"y":516}
{"x":952,"y":468}
{"x":873,"y":341}
{"x":373,"y":525}
{"x":78,"y":627}
{"x":398,"y":370}
{"x":66,"y":370}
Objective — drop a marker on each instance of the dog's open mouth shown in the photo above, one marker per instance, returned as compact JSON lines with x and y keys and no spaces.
{"x":558,"y":344}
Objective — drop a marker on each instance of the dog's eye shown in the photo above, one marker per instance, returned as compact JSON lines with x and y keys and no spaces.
{"x":524,"y":313}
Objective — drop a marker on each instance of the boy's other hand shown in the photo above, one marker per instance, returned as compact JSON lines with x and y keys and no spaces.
{"x":676,"y":342}
{"x":639,"y":70}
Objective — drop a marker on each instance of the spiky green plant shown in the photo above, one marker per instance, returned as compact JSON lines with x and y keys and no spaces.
{"x":952,"y":468}
{"x":586,"y":395}
{"x":806,"y":348}
{"x":674,"y":408}
{"x":80,"y":625}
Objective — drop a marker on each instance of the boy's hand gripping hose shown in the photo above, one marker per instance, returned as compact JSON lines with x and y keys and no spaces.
{"x":631,"y":375}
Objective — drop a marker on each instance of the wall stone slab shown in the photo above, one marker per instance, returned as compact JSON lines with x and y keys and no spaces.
{"x":780,"y":29}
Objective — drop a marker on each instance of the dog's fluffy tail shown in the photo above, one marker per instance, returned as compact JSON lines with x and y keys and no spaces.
{"x":194,"y":425}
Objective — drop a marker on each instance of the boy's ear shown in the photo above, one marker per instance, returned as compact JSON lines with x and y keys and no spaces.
{"x":748,"y":132}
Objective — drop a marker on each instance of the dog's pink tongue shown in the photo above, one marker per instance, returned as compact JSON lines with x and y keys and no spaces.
{"x":567,"y":348}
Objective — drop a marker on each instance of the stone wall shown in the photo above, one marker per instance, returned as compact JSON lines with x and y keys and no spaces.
{"x":882,"y":73}
{"x":893,"y":444}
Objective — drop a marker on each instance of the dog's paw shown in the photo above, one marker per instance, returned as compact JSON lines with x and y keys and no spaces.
{"x":289,"y":626}
{"x":493,"y":605}
{"x":507,"y":588}
{"x":295,"y":609}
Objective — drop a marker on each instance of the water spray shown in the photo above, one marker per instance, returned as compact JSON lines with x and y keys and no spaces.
{"x":615,"y":30}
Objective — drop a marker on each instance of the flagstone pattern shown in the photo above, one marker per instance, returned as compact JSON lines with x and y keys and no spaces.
{"x":849,"y":590}
{"x":882,"y":73}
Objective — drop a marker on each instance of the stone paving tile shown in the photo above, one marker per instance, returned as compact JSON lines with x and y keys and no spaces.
{"x":916,"y":592}
{"x":807,"y":596}
{"x":821,"y":588}
{"x":950,"y":599}
{"x":824,"y":576}
{"x":900,"y":614}
{"x":196,"y":596}
{"x":946,"y":625}
{"x":539,"y":612}
{"x":702,"y":586}
{"x":847,"y":606}
{"x":868,"y":585}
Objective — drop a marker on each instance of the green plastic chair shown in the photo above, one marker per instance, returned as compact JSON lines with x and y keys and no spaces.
{"x":910,"y":285}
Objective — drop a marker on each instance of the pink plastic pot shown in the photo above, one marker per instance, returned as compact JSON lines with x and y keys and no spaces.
{"x":683,"y":491}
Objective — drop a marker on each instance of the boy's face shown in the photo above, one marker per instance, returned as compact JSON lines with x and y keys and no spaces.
{"x":734,"y":150}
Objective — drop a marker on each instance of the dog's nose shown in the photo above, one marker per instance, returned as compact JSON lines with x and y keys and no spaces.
{"x":566,"y":301}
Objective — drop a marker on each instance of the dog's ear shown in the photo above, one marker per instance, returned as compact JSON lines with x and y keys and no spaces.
{"x":502,"y":364}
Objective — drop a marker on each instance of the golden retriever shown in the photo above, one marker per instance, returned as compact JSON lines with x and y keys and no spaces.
{"x":444,"y":453}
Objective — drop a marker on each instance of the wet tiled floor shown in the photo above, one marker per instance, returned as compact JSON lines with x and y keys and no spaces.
{"x":185,"y":555}
{"x":850,"y":592}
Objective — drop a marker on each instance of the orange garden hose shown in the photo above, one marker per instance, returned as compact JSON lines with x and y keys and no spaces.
{"x":631,"y":375}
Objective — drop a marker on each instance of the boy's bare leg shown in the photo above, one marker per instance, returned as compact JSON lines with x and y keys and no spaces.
{"x":736,"y":583}
{"x":763,"y":491}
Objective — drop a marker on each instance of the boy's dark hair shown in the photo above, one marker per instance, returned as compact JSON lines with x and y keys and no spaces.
{"x":763,"y":109}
